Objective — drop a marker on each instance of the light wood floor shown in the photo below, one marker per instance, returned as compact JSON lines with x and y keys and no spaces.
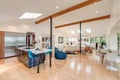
{"x":75,"y":67}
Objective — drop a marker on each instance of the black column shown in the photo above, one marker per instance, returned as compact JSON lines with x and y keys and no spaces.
{"x":50,"y":31}
{"x":80,"y":37}
{"x":50,"y":40}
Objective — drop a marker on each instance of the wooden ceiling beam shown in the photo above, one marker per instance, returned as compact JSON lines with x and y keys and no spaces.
{"x":84,"y":21}
{"x":78,"y":6}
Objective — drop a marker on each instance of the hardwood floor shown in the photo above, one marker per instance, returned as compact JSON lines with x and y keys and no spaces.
{"x":75,"y":67}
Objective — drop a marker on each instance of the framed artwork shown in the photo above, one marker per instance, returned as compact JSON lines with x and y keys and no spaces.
{"x":60,"y":40}
{"x":86,"y":39}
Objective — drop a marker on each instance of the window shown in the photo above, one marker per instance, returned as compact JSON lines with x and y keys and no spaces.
{"x":92,"y":40}
{"x":102,"y":39}
{"x":97,"y":39}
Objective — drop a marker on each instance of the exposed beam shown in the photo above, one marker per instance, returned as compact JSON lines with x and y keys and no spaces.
{"x":78,"y":6}
{"x":85,"y":21}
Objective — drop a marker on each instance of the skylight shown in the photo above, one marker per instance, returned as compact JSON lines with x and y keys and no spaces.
{"x":30,"y":15}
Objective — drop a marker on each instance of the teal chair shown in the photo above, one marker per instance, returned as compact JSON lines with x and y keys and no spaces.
{"x":32,"y":59}
{"x":60,"y":54}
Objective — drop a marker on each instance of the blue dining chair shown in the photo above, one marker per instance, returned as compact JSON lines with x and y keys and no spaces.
{"x":32,"y":59}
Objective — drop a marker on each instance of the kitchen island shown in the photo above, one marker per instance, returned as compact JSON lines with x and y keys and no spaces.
{"x":24,"y":58}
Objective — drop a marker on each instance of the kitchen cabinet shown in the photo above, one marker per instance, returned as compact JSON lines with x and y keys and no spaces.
{"x":2,"y":44}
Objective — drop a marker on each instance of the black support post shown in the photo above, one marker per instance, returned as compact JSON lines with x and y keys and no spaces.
{"x":50,"y":31}
{"x":50,"y":38}
{"x":80,"y":37}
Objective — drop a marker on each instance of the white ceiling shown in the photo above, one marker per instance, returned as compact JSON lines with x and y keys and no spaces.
{"x":103,"y":7}
{"x":11,"y":10}
{"x":98,"y":27}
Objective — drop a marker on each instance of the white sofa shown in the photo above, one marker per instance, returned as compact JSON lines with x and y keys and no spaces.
{"x":70,"y":48}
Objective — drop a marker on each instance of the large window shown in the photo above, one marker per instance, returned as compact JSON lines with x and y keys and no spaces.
{"x":102,"y":39}
{"x":97,"y":39}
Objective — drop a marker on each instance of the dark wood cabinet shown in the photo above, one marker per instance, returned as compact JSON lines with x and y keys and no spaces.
{"x":30,"y":39}
{"x":2,"y":44}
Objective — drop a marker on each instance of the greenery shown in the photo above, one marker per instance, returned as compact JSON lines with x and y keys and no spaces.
{"x":102,"y":39}
{"x":97,"y":39}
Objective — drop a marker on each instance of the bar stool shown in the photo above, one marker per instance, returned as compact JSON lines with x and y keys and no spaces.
{"x":32,"y":57}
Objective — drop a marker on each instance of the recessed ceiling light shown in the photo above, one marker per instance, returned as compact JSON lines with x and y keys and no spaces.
{"x":30,"y":15}
{"x":88,"y":30}
{"x":79,"y":31}
{"x":96,"y":11}
{"x":56,"y":7}
{"x":73,"y":32}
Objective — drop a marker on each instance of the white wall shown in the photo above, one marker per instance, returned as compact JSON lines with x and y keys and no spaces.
{"x":113,"y":42}
{"x":113,"y":30}
{"x":38,"y":29}
{"x":115,"y":14}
